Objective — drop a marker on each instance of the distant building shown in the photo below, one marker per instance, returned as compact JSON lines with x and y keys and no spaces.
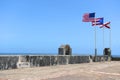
{"x":65,"y":50}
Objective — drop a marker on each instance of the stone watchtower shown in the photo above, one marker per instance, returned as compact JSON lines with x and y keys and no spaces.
{"x":107,"y":52}
{"x":65,"y":50}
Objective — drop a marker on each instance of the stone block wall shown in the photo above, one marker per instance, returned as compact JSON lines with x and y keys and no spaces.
{"x":10,"y":62}
{"x":101,"y":58}
{"x":115,"y":58}
{"x":39,"y":61}
{"x":79,"y":59}
{"x":57,"y":60}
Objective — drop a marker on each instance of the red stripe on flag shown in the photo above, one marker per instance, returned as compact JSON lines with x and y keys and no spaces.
{"x":86,"y":18}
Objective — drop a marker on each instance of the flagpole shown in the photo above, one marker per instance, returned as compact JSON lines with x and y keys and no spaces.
{"x":103,"y":38}
{"x":110,"y":38}
{"x":109,"y":58}
{"x":103,"y":45}
{"x":95,"y":43}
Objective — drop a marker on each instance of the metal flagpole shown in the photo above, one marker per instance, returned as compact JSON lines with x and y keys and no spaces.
{"x":95,"y":43}
{"x":103,"y":40}
{"x":110,"y":37}
{"x":95,"y":47}
{"x":103,"y":45}
{"x":109,"y":58}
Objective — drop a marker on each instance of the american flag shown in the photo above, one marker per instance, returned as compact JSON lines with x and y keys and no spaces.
{"x":88,"y":17}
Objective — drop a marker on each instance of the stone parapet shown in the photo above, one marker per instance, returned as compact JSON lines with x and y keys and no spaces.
{"x":12,"y":62}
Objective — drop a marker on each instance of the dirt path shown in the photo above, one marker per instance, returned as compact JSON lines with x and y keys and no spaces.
{"x":86,"y":71}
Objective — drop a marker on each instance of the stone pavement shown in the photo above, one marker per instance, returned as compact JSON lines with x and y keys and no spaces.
{"x":85,"y":71}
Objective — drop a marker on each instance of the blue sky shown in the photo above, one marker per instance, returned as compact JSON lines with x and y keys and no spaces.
{"x":41,"y":26}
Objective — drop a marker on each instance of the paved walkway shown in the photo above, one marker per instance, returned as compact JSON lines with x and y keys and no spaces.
{"x":85,"y":71}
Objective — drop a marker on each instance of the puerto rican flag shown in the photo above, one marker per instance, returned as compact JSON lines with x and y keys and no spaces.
{"x":97,"y":21}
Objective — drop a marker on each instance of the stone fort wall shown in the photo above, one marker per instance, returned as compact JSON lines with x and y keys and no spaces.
{"x":10,"y":62}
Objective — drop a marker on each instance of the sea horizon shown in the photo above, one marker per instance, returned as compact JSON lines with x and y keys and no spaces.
{"x":54,"y":54}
